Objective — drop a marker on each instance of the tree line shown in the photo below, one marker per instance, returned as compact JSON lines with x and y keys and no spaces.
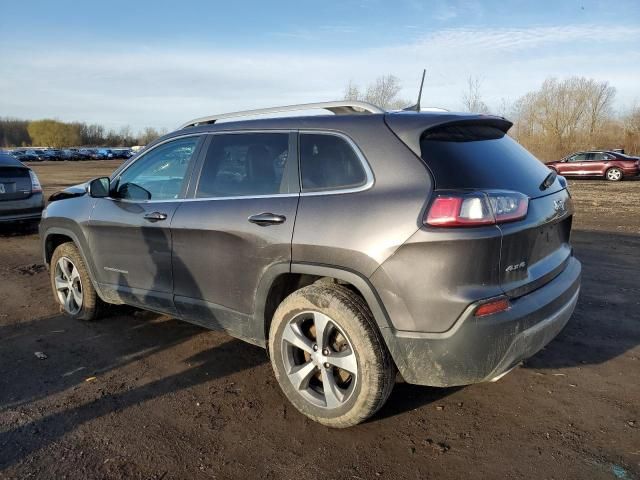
{"x":561,"y":117}
{"x":53,"y":133}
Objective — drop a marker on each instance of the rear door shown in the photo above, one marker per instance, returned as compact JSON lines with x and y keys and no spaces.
{"x":477,"y":157}
{"x":129,"y":231}
{"x":236,"y":225}
{"x":536,"y":249}
{"x":596,"y":163}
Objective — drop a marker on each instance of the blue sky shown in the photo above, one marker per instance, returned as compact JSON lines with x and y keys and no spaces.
{"x":160,"y":63}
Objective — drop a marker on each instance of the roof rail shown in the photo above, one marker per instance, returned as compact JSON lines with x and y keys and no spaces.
{"x":340,"y":107}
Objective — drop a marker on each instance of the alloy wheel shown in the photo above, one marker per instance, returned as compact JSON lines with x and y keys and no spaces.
{"x":319,"y":359}
{"x":614,"y":174}
{"x":68,"y":285}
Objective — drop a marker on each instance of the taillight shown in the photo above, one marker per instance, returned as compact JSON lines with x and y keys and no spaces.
{"x":35,"y":183}
{"x":462,"y":209}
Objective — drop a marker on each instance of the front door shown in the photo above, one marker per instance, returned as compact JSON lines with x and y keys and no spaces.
{"x":129,"y":233}
{"x":575,"y":165}
{"x":238,"y":224}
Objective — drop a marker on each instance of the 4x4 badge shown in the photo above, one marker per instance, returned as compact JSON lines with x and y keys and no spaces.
{"x":515,"y":266}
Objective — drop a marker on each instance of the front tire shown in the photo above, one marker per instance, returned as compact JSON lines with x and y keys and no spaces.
{"x":328,"y":356}
{"x":71,"y":284}
{"x":614,"y":174}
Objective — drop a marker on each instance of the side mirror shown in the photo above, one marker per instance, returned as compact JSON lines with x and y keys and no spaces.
{"x":99,"y":187}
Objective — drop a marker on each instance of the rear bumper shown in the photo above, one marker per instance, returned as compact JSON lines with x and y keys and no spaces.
{"x":481,"y":349}
{"x":20,"y":210}
{"x":631,"y":172}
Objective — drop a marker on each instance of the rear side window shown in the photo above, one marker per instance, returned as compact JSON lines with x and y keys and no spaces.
{"x":328,"y":162}
{"x":482,"y":157}
{"x":245,"y":164}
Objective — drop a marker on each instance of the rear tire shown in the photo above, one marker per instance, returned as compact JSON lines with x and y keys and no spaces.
{"x":614,"y":174}
{"x":71,"y":284}
{"x":317,"y":328}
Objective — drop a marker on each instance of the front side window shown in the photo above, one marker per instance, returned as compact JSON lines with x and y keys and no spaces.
{"x":245,"y":164}
{"x":160,"y":173}
{"x":579,"y":157}
{"x":328,"y":162}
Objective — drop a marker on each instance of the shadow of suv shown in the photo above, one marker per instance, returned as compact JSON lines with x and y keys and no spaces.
{"x":348,"y":245}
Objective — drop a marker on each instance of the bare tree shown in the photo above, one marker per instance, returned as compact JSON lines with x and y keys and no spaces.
{"x":631,"y":127}
{"x":566,"y":115}
{"x":352,"y":92}
{"x":505,"y":108}
{"x":383,"y":92}
{"x":149,"y":134}
{"x":600,"y":100}
{"x":472,"y":98}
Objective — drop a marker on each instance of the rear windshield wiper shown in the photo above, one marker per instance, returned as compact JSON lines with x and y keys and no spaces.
{"x":548,"y":181}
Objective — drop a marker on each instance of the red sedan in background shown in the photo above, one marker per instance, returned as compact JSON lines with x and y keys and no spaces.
{"x":613,"y":166}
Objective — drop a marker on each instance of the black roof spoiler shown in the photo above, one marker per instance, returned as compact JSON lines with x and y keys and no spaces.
{"x":409,"y":126}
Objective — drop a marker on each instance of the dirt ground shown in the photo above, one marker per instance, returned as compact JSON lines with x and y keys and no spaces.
{"x":137,"y":395}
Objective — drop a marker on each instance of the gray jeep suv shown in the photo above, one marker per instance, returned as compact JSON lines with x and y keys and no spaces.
{"x":349,"y":245}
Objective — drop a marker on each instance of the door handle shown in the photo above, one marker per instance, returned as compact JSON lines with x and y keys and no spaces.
{"x":155,"y":216}
{"x":264,"y":219}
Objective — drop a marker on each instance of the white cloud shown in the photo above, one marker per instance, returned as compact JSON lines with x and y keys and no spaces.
{"x":164,"y":86}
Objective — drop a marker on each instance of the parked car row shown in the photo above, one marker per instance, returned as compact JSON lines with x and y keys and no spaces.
{"x":614,"y":165}
{"x":70,"y":154}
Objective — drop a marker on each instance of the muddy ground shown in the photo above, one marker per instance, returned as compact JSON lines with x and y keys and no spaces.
{"x":138,"y":395}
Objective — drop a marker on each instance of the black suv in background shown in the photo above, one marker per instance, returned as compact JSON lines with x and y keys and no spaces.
{"x":348,"y":245}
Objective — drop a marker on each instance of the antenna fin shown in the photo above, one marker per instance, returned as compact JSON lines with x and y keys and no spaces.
{"x":416,"y":107}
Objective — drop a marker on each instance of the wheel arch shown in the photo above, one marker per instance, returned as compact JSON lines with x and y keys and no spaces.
{"x":613,"y":167}
{"x":56,"y":236}
{"x":283,"y":279}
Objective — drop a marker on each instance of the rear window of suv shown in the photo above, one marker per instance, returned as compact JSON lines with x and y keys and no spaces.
{"x":328,"y":162}
{"x":481,"y":157}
